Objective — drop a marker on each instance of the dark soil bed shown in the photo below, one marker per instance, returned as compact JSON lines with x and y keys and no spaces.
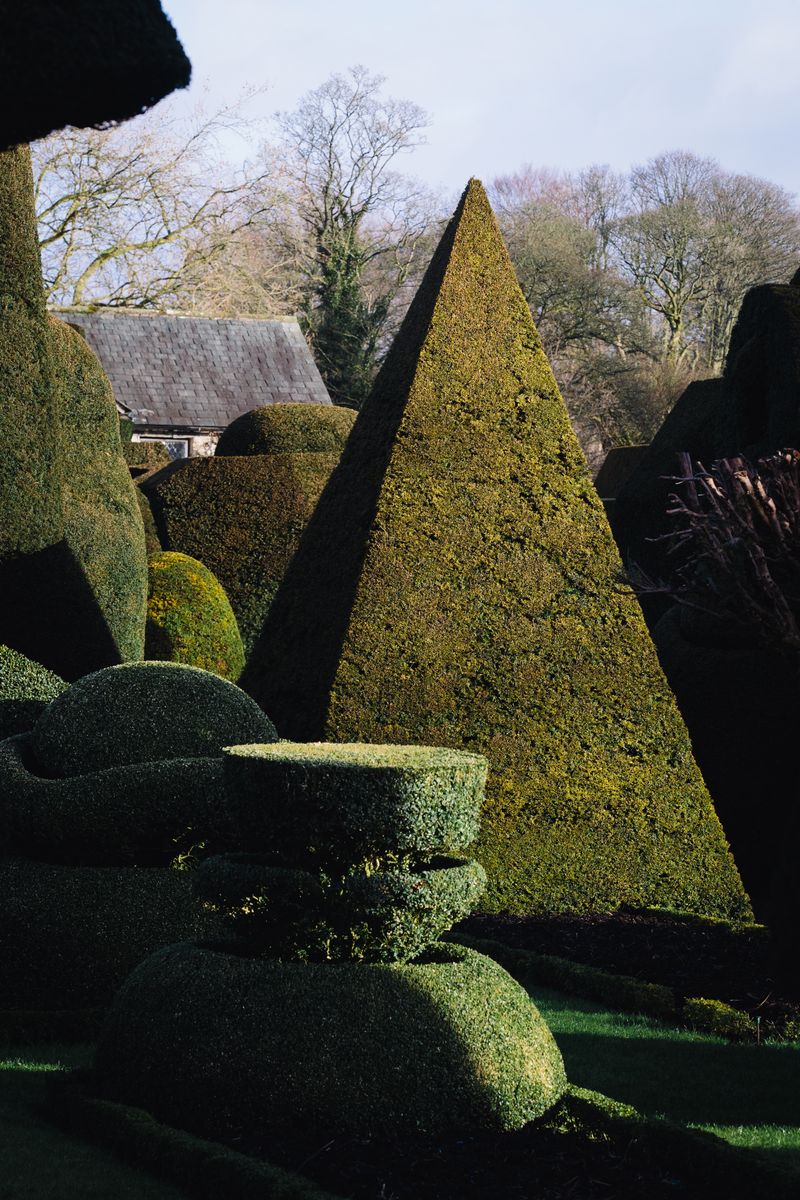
{"x":697,"y":958}
{"x":534,"y":1163}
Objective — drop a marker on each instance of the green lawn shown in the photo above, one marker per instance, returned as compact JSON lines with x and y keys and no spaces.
{"x":748,"y":1094}
{"x":745,"y":1093}
{"x":37,"y":1161}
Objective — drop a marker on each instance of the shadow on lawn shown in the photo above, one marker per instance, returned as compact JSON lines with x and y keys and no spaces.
{"x":690,"y":1082}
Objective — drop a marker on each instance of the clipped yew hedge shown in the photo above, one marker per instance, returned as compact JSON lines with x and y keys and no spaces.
{"x":26,"y":688}
{"x":458,"y":585}
{"x":288,"y":429}
{"x":189,"y":617}
{"x":242,"y":517}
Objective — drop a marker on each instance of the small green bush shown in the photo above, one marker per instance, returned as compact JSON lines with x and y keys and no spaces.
{"x":142,"y":712}
{"x":150,"y":813}
{"x":142,"y":457}
{"x":288,"y":429}
{"x":70,"y":935}
{"x":216,"y":1042}
{"x":189,"y":619}
{"x":242,"y":517}
{"x":350,"y":803}
{"x":26,"y":688}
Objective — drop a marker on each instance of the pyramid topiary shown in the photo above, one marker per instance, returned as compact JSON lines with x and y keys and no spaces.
{"x":458,"y":586}
{"x":72,"y":562}
{"x":189,"y":617}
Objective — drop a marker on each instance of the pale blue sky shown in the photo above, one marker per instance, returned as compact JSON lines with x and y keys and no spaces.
{"x":559,"y":84}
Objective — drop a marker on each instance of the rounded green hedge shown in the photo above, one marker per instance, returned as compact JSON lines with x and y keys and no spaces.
{"x":142,"y":457}
{"x":141,"y":712}
{"x":288,"y":429}
{"x":216,"y":1042}
{"x":376,"y":916}
{"x":189,"y":618}
{"x":353,"y":802}
{"x":70,"y":935}
{"x":26,"y":688}
{"x":149,"y":813}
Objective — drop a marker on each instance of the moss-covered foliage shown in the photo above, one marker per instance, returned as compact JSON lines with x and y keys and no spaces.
{"x":72,"y":565}
{"x":89,"y":62}
{"x":458,"y":586}
{"x":26,"y":688}
{"x":102,"y":521}
{"x":288,"y":429}
{"x":242,"y":517}
{"x":144,"y":712}
{"x":233,"y":1041}
{"x":70,"y":935}
{"x":189,"y":618}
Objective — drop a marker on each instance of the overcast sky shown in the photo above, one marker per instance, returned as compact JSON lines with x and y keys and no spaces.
{"x":560,"y":84}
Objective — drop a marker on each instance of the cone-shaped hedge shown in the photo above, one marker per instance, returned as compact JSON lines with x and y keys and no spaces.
{"x":458,"y":586}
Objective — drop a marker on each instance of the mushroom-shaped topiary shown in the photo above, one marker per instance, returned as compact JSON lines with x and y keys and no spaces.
{"x":288,"y":429}
{"x":189,"y":617}
{"x":141,"y":712}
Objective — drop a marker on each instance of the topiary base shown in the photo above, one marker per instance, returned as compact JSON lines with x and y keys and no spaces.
{"x":216,"y":1042}
{"x":70,"y":935}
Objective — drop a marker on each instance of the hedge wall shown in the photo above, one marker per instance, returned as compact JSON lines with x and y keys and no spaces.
{"x":189,"y":617}
{"x":458,"y":586}
{"x":288,"y":429}
{"x":242,"y":518}
{"x":26,"y":688}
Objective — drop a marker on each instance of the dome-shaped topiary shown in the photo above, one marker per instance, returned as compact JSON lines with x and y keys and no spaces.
{"x":288,"y":429}
{"x":189,"y":617}
{"x":26,"y":688}
{"x":143,"y":712}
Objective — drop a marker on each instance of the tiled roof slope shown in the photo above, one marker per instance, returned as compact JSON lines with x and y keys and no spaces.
{"x":198,"y":372}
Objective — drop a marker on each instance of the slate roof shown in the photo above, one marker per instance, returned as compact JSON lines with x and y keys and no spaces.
{"x":195,"y":373}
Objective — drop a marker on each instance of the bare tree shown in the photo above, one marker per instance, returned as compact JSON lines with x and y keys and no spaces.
{"x":365,"y":224}
{"x":133,"y":216}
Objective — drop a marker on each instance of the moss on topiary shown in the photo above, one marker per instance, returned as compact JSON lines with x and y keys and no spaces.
{"x":72,"y":564}
{"x":147,"y":814}
{"x":288,"y":429}
{"x":458,"y":586}
{"x":70,"y":935}
{"x":26,"y":688}
{"x":242,"y":517}
{"x":189,"y":618}
{"x":144,"y":712}
{"x":235,"y":1042}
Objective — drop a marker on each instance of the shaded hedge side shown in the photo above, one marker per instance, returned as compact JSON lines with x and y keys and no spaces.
{"x":26,"y":688}
{"x":102,"y":521}
{"x":189,"y":617}
{"x":242,"y":517}
{"x":458,"y":586}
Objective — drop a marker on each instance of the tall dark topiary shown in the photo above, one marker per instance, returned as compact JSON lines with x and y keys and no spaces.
{"x":73,"y":583}
{"x":458,"y":585}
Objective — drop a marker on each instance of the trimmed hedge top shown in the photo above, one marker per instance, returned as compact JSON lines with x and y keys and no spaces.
{"x":458,"y":585}
{"x":142,"y":712}
{"x":288,"y":429}
{"x":350,"y":803}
